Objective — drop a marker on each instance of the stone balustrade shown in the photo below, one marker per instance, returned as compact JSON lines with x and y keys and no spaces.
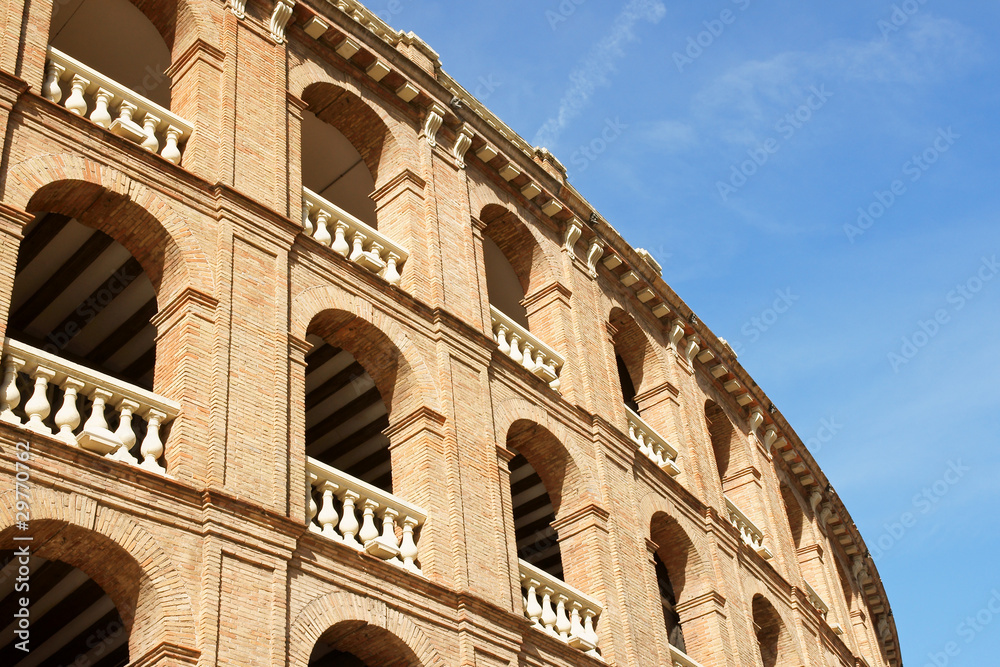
{"x":559,"y":609}
{"x":681,"y":659}
{"x":751,"y":534}
{"x":114,"y":107}
{"x":62,"y":385}
{"x":349,"y":237}
{"x":525,"y":349}
{"x":334,"y":500}
{"x":657,"y":449}
{"x":816,"y":601}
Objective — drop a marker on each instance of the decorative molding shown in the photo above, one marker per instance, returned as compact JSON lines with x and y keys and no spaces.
{"x":463,"y":141}
{"x":238,"y":7}
{"x":594,"y":253}
{"x":574,"y":228}
{"x":279,"y":19}
{"x":435,"y":118}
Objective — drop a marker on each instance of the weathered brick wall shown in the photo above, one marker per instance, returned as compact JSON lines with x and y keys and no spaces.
{"x":238,"y":289}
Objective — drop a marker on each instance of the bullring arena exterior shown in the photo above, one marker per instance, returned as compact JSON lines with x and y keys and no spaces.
{"x":310,"y":360}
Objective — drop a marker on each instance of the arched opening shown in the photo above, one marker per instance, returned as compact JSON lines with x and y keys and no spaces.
{"x":72,"y":620}
{"x":677,"y":568}
{"x":502,"y":284}
{"x":116,"y":38}
{"x":344,"y":143}
{"x":536,"y":493}
{"x":668,"y":601}
{"x":722,"y":434}
{"x":793,"y":510}
{"x":512,"y":259}
{"x":773,"y":639}
{"x":359,"y":644}
{"x":628,"y":387}
{"x":81,"y":295}
{"x":90,"y":596}
{"x":347,"y":407}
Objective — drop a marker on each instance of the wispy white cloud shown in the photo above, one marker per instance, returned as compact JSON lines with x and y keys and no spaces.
{"x":746,"y":99}
{"x":596,"y":67}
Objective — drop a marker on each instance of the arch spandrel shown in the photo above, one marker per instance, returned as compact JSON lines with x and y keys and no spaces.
{"x":74,"y":183}
{"x":327,"y":611}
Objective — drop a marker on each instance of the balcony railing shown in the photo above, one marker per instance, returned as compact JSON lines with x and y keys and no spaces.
{"x":334,"y":499}
{"x":657,"y":449}
{"x":114,"y":107}
{"x":46,"y":372}
{"x":681,"y":659}
{"x":816,"y":601}
{"x":349,"y":237}
{"x":559,"y":609}
{"x":525,"y":349}
{"x":751,"y":534}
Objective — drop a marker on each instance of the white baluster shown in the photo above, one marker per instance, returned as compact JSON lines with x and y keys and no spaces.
{"x":68,"y":417}
{"x":152,"y":446}
{"x":515,"y":353}
{"x":563,"y":624}
{"x":124,"y":433}
{"x":388,"y":536}
{"x":392,"y":275}
{"x":10,"y":397}
{"x":51,"y":89}
{"x":526,"y":361}
{"x":307,"y":224}
{"x":375,"y":251}
{"x":502,"y":339}
{"x":589,"y":633}
{"x":328,"y":513}
{"x":533,"y":609}
{"x":96,"y":427}
{"x":76,"y":102}
{"x":313,"y":508}
{"x":368,"y":530}
{"x":539,"y":361}
{"x":349,"y":522}
{"x":149,"y":125}
{"x":170,"y":150}
{"x":576,"y":627}
{"x":101,"y":116}
{"x":408,"y":547}
{"x":549,"y":617}
{"x":340,"y":245}
{"x":37,"y":408}
{"x":555,"y":383}
{"x":359,"y":242}
{"x":322,"y":233}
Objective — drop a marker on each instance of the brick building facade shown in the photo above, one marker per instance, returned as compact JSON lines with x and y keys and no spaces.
{"x":310,"y":360}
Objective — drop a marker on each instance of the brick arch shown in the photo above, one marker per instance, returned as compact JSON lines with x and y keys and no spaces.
{"x":555,"y":454}
{"x":645,"y":364}
{"x":120,"y":555}
{"x":729,"y":446}
{"x":192,"y":17}
{"x":784,"y":651}
{"x":109,"y":200}
{"x":412,"y":386}
{"x":524,"y":246}
{"x":373,"y":131}
{"x":677,"y":549}
{"x":340,"y":607}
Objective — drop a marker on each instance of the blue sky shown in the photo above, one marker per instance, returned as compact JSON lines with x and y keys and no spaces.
{"x":744,"y":152}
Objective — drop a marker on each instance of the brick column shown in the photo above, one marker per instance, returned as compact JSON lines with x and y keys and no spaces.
{"x":419,"y":476}
{"x":515,"y":602}
{"x":30,"y":18}
{"x":399,"y":208}
{"x":586,"y":546}
{"x":703,"y":619}
{"x":185,"y":349}
{"x":550,"y":317}
{"x":195,"y":91}
{"x":297,"y":503}
{"x":12,"y":222}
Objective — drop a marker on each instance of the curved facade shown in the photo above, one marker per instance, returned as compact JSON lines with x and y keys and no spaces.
{"x":310,"y":360}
